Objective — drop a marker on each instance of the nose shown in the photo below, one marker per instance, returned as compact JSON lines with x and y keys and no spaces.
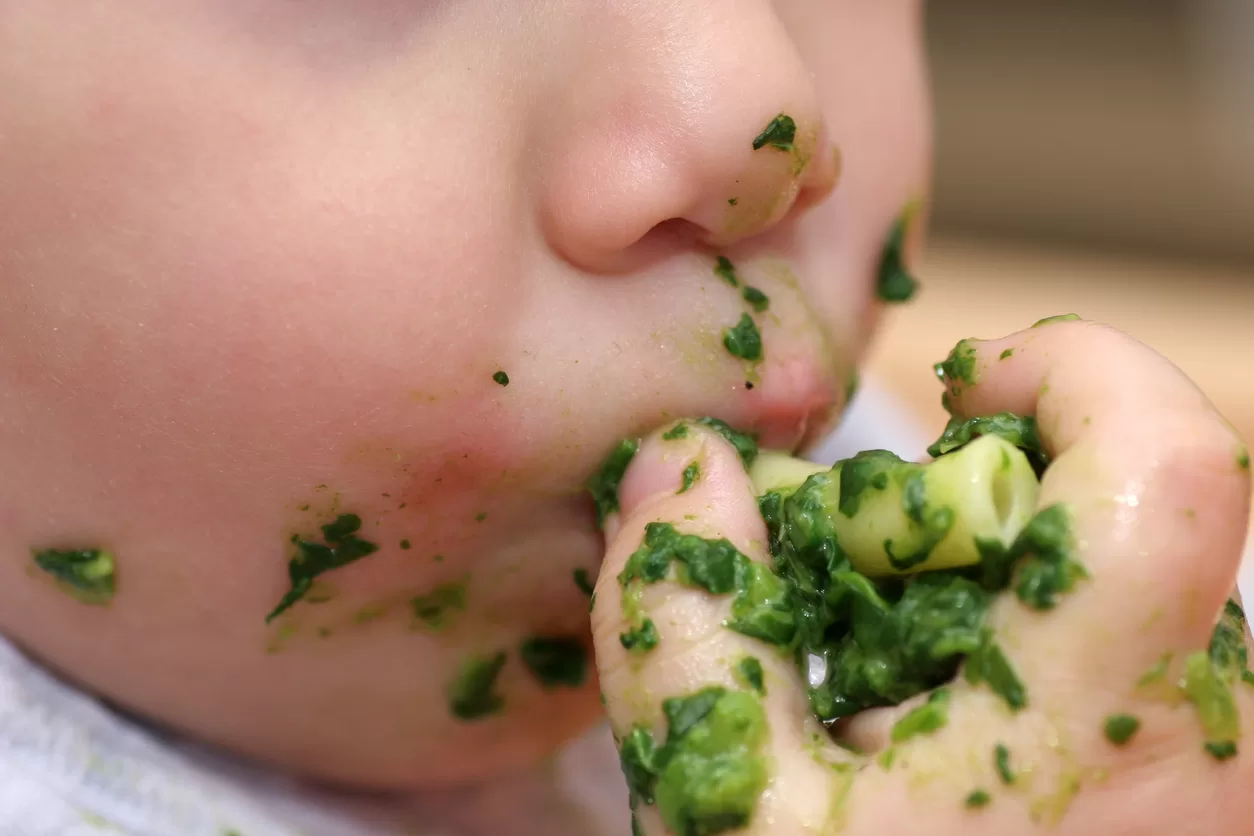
{"x":684,"y":121}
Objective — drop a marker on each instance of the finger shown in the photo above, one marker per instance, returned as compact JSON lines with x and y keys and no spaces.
{"x":694,"y":648}
{"x":1155,"y":485}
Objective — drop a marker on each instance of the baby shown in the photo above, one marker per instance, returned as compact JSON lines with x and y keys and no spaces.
{"x":316,"y":317}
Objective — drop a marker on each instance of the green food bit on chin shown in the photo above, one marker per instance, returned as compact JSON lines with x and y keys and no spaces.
{"x":756,"y":298}
{"x":732,"y":201}
{"x":743,"y":340}
{"x":584,"y":581}
{"x":501,"y":378}
{"x":1121,"y":728}
{"x":978,"y":800}
{"x":958,"y":367}
{"x":640,"y":639}
{"x":680,"y":430}
{"x":1221,"y":751}
{"x":691,"y":473}
{"x":1008,"y":353}
{"x":1067,"y":317}
{"x":604,"y":483}
{"x":435,"y":609}
{"x":930,"y":717}
{"x":86,"y":574}
{"x":1019,"y":430}
{"x":555,"y":661}
{"x":780,"y":132}
{"x":472,"y":695}
{"x":746,"y":445}
{"x":724,"y":269}
{"x":1001,"y":759}
{"x":760,"y":609}
{"x":894,"y":282}
{"x":1243,"y":458}
{"x":707,"y":777}
{"x":749,"y":673}
{"x":341,"y":547}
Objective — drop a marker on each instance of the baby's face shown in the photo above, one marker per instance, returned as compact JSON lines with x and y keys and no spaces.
{"x":261,"y":261}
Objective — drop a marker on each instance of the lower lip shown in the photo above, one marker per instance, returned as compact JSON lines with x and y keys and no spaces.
{"x":793,"y":405}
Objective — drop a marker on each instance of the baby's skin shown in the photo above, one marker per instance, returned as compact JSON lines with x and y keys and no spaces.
{"x":378,"y":285}
{"x":1157,"y":486}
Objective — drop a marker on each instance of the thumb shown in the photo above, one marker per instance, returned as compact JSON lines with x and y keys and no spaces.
{"x":707,"y":706}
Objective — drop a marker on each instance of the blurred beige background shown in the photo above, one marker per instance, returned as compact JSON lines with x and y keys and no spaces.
{"x":1095,"y":158}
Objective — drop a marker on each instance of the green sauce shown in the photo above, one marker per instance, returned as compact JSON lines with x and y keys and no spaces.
{"x":501,"y":378}
{"x":756,"y":298}
{"x":760,"y":608}
{"x":555,"y":661}
{"x":1121,"y":728}
{"x":959,"y":366}
{"x":472,"y":695}
{"x":928,"y":718}
{"x":726,"y":271}
{"x":1001,"y":760}
{"x":691,"y":473}
{"x":746,"y":445}
{"x":680,"y":430}
{"x":1019,"y":430}
{"x":743,"y":340}
{"x":749,"y":673}
{"x":707,"y":777}
{"x":780,"y":132}
{"x":1067,"y":317}
{"x":437,"y":609}
{"x":894,"y":282}
{"x":86,"y":574}
{"x":977,"y":800}
{"x":340,"y":547}
{"x":604,"y":483}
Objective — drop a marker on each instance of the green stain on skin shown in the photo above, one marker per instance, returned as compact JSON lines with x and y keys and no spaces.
{"x":725,"y":270}
{"x":86,"y":574}
{"x":978,"y":800}
{"x":1121,"y":728}
{"x":894,"y":282}
{"x":1243,"y":457}
{"x":1067,"y":317}
{"x":340,"y":547}
{"x":678,"y":431}
{"x":743,"y":339}
{"x":437,"y":609}
{"x":472,"y":694}
{"x":584,"y":581}
{"x":748,"y":672}
{"x":1008,"y":353}
{"x":501,"y":378}
{"x":780,"y":133}
{"x":756,"y":298}
{"x":732,"y":201}
{"x":928,"y":718}
{"x":691,"y":473}
{"x":405,"y":545}
{"x":1001,"y":760}
{"x":604,"y":483}
{"x":707,"y":776}
{"x":746,"y":445}
{"x":555,"y":661}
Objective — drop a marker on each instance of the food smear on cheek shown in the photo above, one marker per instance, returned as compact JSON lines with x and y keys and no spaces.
{"x":473,"y":693}
{"x":88,"y":575}
{"x":894,"y":283}
{"x":341,"y":546}
{"x":437,"y":609}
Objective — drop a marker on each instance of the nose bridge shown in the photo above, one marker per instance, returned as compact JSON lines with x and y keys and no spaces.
{"x":700,"y":111}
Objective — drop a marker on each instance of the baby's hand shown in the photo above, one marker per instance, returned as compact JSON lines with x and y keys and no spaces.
{"x":1125,"y":728}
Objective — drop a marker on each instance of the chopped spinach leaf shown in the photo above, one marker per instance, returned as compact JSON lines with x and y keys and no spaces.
{"x":472,"y":695}
{"x":756,"y":298}
{"x":86,"y":574}
{"x":604,"y":483}
{"x":691,"y":473}
{"x":749,"y":672}
{"x":501,"y":378}
{"x":1001,"y":759}
{"x":746,"y":445}
{"x":930,"y":717}
{"x":894,"y":282}
{"x":726,"y":271}
{"x":743,"y":339}
{"x":779,"y":133}
{"x":1019,"y":430}
{"x":340,"y":547}
{"x":555,"y":661}
{"x":584,"y":582}
{"x":1121,"y":728}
